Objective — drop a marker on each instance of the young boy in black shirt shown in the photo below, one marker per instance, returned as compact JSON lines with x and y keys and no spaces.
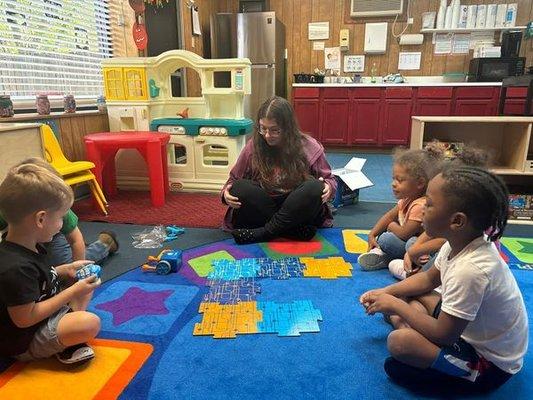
{"x":37,"y":320}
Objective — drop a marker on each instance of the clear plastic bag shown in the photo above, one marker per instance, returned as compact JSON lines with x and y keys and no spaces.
{"x":149,"y":238}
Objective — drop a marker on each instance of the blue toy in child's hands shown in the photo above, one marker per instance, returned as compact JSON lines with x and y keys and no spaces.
{"x":89,"y":270}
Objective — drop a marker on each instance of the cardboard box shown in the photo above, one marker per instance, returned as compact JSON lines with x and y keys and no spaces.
{"x":349,"y":180}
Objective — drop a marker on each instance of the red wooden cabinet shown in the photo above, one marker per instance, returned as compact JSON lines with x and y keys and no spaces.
{"x":396,"y":116}
{"x":335,"y":115}
{"x":396,"y":121}
{"x":433,"y":107}
{"x":474,"y":101}
{"x":433,"y":101}
{"x":308,"y":115}
{"x":364,"y":121}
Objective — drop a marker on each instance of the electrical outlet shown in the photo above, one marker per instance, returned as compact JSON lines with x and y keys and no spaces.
{"x":410,"y":21}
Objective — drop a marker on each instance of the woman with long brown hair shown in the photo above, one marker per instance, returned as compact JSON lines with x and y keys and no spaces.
{"x":281,"y":181}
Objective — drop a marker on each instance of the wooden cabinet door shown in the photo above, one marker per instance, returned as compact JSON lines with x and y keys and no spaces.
{"x":433,"y":107}
{"x":396,"y":121}
{"x":308,"y":116}
{"x":474,"y":107}
{"x":334,"y":128}
{"x":364,"y":121}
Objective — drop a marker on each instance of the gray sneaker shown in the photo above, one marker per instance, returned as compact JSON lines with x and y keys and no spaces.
{"x":75,"y":354}
{"x":373,"y":260}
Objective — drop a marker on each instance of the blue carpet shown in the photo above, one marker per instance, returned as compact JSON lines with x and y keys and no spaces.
{"x":343,"y":361}
{"x":378,"y":168}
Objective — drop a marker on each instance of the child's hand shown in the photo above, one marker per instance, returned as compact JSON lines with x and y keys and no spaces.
{"x":407,"y":263}
{"x":381,"y":302}
{"x":366,"y":297}
{"x":372,"y":241}
{"x":69,"y":270}
{"x":87,"y":285}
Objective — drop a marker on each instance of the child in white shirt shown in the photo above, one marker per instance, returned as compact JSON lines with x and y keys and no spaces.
{"x":477,"y":334}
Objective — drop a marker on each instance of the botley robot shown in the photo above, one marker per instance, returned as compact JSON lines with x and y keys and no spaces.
{"x":166,"y":262}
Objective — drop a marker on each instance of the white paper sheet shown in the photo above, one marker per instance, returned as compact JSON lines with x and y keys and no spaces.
{"x":461,"y":43}
{"x":409,"y":60}
{"x":443,"y":43}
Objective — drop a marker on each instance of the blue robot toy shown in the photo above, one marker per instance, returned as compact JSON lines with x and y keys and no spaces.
{"x":166,"y":262}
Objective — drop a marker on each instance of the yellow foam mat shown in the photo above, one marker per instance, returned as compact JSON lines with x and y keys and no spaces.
{"x":224,"y":321}
{"x":326,"y":268}
{"x":353,"y":243}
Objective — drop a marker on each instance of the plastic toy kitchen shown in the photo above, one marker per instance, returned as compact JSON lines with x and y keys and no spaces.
{"x":207,"y":133}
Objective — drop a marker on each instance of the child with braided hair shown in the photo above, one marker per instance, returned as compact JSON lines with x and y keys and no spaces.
{"x":422,"y":250}
{"x":476,"y":333}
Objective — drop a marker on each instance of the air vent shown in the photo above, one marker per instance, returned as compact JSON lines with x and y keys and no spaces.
{"x":375,"y":8}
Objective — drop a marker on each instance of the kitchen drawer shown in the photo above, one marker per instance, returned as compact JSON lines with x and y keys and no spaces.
{"x":399,"y":93}
{"x":335,"y":93}
{"x":366,"y":93}
{"x":520,"y":92}
{"x":305,"y":92}
{"x":480,"y":92}
{"x":435,"y":92}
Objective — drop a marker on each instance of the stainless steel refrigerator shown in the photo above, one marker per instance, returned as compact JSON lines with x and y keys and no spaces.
{"x":260,"y":37}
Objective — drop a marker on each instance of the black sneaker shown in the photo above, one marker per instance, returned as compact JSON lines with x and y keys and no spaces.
{"x":75,"y":354}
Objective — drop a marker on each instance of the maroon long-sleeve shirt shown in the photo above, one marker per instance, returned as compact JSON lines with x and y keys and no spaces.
{"x":318,"y":168}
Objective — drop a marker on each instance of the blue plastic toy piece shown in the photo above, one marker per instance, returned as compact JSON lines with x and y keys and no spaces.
{"x":173,"y":232}
{"x":170,"y":261}
{"x":89,"y":270}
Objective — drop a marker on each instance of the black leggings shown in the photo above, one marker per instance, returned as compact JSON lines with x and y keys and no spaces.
{"x":302,"y":206}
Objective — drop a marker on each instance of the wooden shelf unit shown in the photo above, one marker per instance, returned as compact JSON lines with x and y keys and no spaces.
{"x":507,"y":139}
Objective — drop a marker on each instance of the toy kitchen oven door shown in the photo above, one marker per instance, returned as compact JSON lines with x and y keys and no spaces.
{"x":201,"y":161}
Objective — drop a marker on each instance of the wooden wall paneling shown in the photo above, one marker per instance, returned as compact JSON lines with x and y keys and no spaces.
{"x":306,"y":7}
{"x":294,"y":43}
{"x":121,"y":37}
{"x":72,"y":132}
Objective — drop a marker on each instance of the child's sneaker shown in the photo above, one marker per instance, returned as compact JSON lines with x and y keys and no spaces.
{"x":109,"y":238}
{"x":75,"y":354}
{"x":373,"y":260}
{"x":396,"y":268}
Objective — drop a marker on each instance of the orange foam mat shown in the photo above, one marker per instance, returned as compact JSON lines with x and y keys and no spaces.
{"x":104,"y":377}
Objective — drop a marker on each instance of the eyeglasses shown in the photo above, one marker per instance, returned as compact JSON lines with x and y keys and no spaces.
{"x":274,"y":132}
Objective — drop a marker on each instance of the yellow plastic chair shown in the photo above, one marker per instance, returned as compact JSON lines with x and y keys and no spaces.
{"x":73,"y":172}
{"x":89,"y":178}
{"x":55,"y":156}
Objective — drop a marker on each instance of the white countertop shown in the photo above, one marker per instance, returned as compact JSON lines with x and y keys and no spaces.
{"x":408,"y":84}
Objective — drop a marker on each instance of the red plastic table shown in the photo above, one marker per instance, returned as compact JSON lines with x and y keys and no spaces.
{"x":102,"y":148}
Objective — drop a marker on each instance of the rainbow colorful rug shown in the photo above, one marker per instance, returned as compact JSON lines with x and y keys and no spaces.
{"x":147,"y":348}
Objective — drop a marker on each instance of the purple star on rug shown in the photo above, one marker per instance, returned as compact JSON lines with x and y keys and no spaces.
{"x":135,"y":302}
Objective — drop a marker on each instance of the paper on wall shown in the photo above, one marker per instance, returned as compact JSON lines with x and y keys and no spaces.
{"x":318,"y":45}
{"x":318,"y":30}
{"x":332,"y":58}
{"x":409,"y":60}
{"x":461,"y":43}
{"x":354,"y":63}
{"x":443,"y":43}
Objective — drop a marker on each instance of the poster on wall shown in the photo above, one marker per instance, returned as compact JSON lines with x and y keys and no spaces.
{"x":319,"y":45}
{"x":318,"y":30}
{"x":409,"y":60}
{"x":332,"y":58}
{"x":354,"y":63}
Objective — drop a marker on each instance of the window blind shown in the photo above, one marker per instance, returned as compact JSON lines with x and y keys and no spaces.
{"x":53,"y":46}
